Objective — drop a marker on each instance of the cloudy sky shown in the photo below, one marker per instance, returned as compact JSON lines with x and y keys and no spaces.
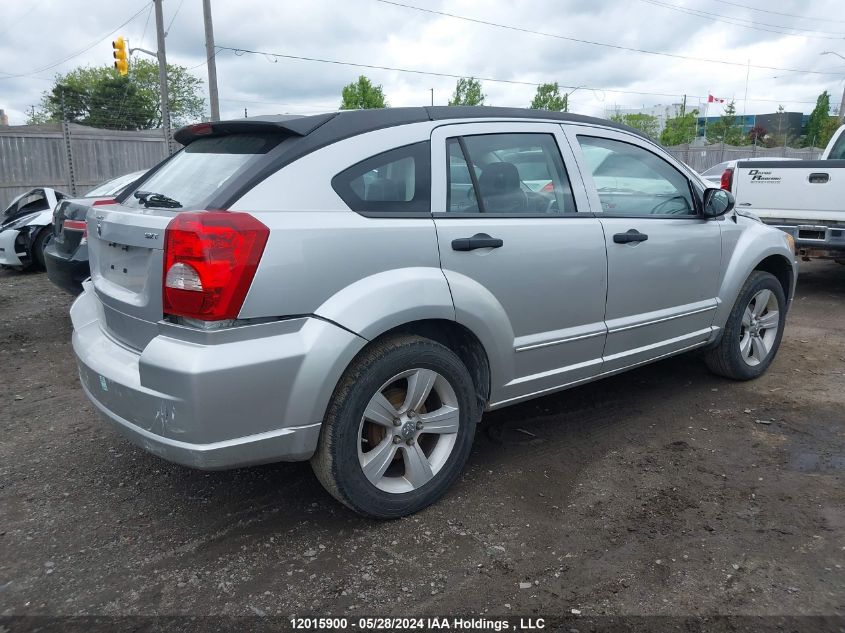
{"x":782,"y":41}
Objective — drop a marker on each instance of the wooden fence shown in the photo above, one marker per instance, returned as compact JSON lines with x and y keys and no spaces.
{"x":71,"y":158}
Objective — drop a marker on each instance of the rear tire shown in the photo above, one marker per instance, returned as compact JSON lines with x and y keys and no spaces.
{"x":753,"y":330}
{"x":399,"y":428}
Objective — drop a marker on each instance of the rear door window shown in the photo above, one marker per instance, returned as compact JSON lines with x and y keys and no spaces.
{"x":393,"y":182}
{"x":517,"y":174}
{"x":195,"y":174}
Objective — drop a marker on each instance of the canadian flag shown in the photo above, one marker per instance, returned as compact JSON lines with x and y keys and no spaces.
{"x":712,"y":99}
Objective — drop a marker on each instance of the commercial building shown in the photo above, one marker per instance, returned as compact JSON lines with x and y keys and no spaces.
{"x":788,"y":124}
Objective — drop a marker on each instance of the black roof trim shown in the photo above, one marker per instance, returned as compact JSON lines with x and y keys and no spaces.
{"x":347,"y":123}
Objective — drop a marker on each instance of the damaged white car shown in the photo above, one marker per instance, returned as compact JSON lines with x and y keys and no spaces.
{"x":25,"y":228}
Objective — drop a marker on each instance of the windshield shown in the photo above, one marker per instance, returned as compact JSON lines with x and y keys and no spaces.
{"x":30,"y":202}
{"x":716,"y":170}
{"x":196,"y":173}
{"x":113,"y":186}
{"x":838,"y":151}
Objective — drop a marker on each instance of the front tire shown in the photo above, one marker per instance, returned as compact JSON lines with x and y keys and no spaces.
{"x":38,"y":246}
{"x":753,"y":330}
{"x":399,"y":428}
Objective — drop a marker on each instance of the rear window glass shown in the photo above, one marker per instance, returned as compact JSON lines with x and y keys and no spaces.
{"x":196,"y":173}
{"x":716,"y":170}
{"x":397,"y":181}
{"x":113,"y":186}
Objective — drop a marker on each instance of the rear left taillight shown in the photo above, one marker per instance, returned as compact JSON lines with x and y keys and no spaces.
{"x":77,"y":225}
{"x":549,"y":188}
{"x":727,"y":179}
{"x":210,"y":259}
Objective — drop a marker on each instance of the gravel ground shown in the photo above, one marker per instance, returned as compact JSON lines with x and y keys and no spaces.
{"x":664,"y":491}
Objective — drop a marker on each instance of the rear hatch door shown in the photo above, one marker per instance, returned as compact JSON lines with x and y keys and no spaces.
{"x":125,"y":255}
{"x":126,"y":239}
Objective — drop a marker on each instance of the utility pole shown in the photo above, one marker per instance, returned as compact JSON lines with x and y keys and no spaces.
{"x":162,"y":78}
{"x":210,"y":61}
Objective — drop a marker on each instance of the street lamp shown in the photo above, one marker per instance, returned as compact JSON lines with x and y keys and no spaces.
{"x":841,"y":105}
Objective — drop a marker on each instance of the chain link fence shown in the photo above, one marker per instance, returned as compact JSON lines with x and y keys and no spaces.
{"x":705,"y":157}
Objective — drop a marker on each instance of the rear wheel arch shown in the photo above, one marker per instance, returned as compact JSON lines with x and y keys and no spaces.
{"x":458,"y":338}
{"x":463,"y":342}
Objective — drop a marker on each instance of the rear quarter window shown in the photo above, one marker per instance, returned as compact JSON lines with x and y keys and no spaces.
{"x":396,"y":182}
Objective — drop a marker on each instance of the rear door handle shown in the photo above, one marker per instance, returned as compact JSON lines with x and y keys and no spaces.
{"x":819,"y":178}
{"x":479,"y":240}
{"x":632,"y":235}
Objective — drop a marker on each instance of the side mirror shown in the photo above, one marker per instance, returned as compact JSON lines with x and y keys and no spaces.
{"x":717,"y":202}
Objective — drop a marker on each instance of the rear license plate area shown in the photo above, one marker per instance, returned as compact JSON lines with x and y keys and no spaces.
{"x":126,"y":266}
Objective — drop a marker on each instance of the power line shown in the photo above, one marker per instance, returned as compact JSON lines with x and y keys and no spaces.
{"x":749,"y":24}
{"x":20,"y":17}
{"x":274,"y":56}
{"x":175,"y":13}
{"x":788,"y":15}
{"x":77,"y":53}
{"x":602,"y":44}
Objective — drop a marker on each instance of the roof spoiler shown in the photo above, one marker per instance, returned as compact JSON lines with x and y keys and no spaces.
{"x":288,"y":126}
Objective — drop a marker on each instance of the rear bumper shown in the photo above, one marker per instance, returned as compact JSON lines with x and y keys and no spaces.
{"x":67,"y":271}
{"x":215,"y":400}
{"x":8,"y":256}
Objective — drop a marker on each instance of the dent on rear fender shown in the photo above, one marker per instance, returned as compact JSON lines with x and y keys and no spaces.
{"x":378,"y":303}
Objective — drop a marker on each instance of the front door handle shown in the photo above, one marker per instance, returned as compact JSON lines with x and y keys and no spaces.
{"x":479,"y":240}
{"x":632,"y":235}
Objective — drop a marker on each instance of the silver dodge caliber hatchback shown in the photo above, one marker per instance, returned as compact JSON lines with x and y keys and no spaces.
{"x":357,"y":288}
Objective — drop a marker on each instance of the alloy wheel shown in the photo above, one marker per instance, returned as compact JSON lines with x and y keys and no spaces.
{"x":408,"y":430}
{"x":760,"y":323}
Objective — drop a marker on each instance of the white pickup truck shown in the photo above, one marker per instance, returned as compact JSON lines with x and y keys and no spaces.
{"x":805,"y":198}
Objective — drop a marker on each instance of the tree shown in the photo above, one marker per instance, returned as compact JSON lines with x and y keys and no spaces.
{"x":467,"y":93}
{"x":548,"y":97}
{"x":817,"y":122}
{"x":827,"y":131}
{"x":362,"y":95}
{"x":779,"y":137}
{"x":727,"y":129}
{"x":99,"y":97}
{"x":757,"y":134}
{"x":645,"y":123}
{"x":681,"y":128}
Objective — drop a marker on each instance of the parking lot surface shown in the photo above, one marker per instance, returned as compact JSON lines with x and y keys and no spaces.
{"x":665,"y":490}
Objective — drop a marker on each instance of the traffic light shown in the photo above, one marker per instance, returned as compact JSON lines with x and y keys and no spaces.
{"x":121,"y":56}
